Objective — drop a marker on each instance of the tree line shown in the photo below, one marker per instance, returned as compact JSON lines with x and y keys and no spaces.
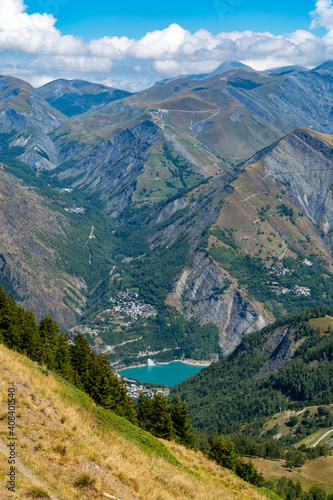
{"x":76,"y":362}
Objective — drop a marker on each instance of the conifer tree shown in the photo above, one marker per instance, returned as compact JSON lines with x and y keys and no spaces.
{"x":96,"y":378}
{"x":9,"y":330}
{"x":81,"y":356}
{"x":49,"y":336}
{"x":181,"y":424}
{"x":162,"y":422}
{"x":145,"y":413}
{"x":224,"y":453}
{"x":62,"y":360}
{"x":29,"y":339}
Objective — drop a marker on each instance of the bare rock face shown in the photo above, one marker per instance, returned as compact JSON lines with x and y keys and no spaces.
{"x":203,"y":291}
{"x":306,"y":98}
{"x":280,"y":348}
{"x":304,"y":164}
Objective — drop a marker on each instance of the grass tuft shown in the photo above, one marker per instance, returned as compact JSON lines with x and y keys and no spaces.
{"x":84,"y":481}
{"x":38,"y":492}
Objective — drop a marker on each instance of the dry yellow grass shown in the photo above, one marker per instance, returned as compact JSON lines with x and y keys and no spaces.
{"x":57,"y":443}
{"x":319,"y":471}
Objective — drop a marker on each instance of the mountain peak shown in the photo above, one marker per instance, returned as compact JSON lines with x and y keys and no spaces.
{"x":225,"y":67}
{"x":326,"y":66}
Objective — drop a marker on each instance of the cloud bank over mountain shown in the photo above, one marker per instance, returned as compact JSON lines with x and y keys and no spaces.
{"x":33,"y":48}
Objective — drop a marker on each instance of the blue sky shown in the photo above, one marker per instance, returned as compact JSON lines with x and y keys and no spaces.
{"x":134,"y":18}
{"x":133,"y":44}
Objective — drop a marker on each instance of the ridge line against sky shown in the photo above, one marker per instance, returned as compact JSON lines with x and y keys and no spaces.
{"x":34,"y":49}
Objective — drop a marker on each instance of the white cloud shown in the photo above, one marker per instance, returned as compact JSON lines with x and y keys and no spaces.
{"x":323,"y":15}
{"x":160,"y":53}
{"x":34,"y":33}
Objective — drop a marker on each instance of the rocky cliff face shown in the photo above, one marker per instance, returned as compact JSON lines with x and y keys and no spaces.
{"x":303,"y":162}
{"x":280,"y":348}
{"x":205,"y":292}
{"x":306,"y":98}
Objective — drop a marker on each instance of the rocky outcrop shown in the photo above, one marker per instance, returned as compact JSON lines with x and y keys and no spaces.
{"x":203,"y":291}
{"x":304,"y":164}
{"x":306,"y":98}
{"x":279,"y":349}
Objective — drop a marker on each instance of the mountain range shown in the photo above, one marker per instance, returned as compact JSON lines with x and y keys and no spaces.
{"x":169,"y":222}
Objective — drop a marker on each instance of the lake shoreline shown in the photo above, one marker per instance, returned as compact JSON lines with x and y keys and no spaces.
{"x":165,"y":374}
{"x":192,"y":362}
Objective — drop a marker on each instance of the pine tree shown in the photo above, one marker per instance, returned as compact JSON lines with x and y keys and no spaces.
{"x":81,"y":356}
{"x":93,"y":374}
{"x":9,"y":330}
{"x":30,"y":340}
{"x":145,"y":412}
{"x":181,"y":424}
{"x":112,"y":391}
{"x":62,"y":359}
{"x":49,"y":336}
{"x":224,"y":453}
{"x":162,"y":423}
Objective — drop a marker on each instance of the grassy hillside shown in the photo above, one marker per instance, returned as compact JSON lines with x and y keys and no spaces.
{"x":314,"y":473}
{"x":67,"y":448}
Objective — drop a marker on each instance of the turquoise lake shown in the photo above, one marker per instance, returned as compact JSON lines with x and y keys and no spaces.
{"x":169,"y":375}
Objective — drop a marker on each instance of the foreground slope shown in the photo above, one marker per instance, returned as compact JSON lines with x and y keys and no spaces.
{"x":62,"y":435}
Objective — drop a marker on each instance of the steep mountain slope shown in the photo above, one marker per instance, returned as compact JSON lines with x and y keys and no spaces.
{"x":29,"y":252}
{"x":260,"y":237}
{"x":287,"y":364}
{"x":93,"y":453}
{"x":74,"y":97}
{"x":303,"y":163}
{"x":238,"y":251}
{"x":111,"y":169}
{"x":28,"y":119}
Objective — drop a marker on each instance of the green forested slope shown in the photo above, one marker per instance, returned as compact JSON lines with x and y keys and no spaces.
{"x":287,"y":364}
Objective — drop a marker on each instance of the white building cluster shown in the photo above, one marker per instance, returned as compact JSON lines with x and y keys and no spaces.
{"x":128,"y":303}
